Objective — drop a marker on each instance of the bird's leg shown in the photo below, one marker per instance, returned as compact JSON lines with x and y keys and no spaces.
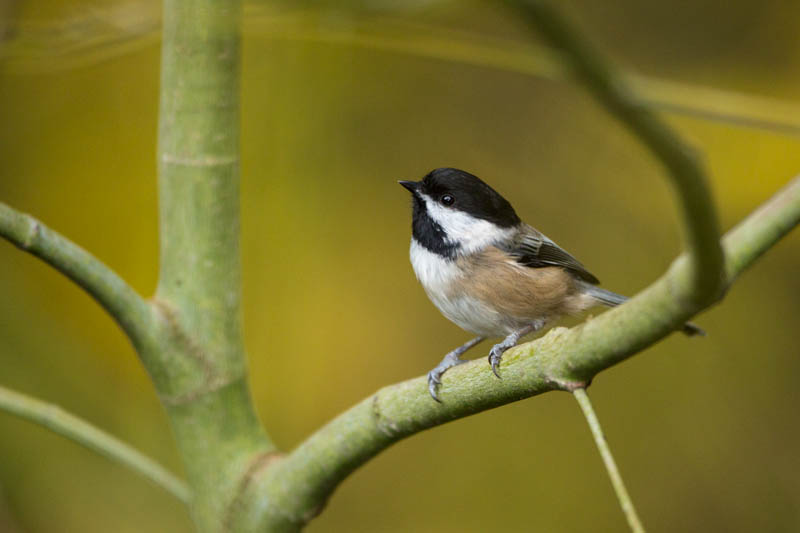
{"x":497,"y":351}
{"x":450,"y":360}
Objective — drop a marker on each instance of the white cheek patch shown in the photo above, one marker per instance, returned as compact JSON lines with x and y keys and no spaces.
{"x":473,"y":234}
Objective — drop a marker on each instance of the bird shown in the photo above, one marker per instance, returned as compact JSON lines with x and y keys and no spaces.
{"x":488,"y":271}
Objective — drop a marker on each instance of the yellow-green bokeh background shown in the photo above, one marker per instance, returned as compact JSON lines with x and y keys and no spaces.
{"x":705,"y":431}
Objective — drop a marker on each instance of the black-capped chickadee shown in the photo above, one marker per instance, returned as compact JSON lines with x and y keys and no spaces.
{"x":488,"y":271}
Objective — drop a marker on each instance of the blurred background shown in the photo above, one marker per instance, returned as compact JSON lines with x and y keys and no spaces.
{"x":340,"y":101}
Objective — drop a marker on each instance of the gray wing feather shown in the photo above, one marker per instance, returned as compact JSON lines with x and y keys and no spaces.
{"x":533,"y":249}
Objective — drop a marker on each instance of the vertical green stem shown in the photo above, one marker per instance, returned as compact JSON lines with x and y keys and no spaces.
{"x":198,"y":182}
{"x":616,"y":480}
{"x":199,"y":287}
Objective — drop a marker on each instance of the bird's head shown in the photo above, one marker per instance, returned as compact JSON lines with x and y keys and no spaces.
{"x":455,"y":212}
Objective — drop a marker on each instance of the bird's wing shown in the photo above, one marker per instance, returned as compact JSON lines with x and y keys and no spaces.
{"x":533,"y":249}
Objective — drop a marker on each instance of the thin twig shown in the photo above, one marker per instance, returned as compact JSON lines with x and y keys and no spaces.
{"x":605,"y":452}
{"x":80,"y":431}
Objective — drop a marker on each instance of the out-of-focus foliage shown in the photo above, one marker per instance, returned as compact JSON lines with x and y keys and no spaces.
{"x":704,"y":430}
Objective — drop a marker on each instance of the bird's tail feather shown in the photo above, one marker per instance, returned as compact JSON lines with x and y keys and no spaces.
{"x":612,"y":299}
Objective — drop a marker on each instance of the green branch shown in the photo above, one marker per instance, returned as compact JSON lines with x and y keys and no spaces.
{"x":608,"y":460}
{"x":748,"y":240}
{"x":198,"y":180}
{"x":80,"y":431}
{"x":199,"y":286}
{"x":130,"y":311}
{"x":292,"y":491}
{"x":148,"y":327}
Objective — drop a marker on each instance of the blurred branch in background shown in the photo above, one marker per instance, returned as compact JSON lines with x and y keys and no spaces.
{"x":80,"y":431}
{"x":461,"y":46}
{"x":94,"y":35}
{"x":87,"y":35}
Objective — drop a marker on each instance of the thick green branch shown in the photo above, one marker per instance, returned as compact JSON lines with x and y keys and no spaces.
{"x":290,"y":492}
{"x":608,"y":460}
{"x":199,"y":287}
{"x":80,"y":431}
{"x":706,"y":277}
{"x":130,"y":311}
{"x":198,"y":180}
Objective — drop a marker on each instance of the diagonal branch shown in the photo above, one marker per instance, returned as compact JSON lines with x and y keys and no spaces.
{"x":289,"y":493}
{"x":749,"y":239}
{"x":80,"y":431}
{"x":130,"y":311}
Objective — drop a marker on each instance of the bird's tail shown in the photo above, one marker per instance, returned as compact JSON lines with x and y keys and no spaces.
{"x":612,"y":299}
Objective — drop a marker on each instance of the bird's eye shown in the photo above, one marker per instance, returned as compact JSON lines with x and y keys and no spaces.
{"x":447,"y":199}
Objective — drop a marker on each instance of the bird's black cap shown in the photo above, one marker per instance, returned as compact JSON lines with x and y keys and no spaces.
{"x":470,"y":194}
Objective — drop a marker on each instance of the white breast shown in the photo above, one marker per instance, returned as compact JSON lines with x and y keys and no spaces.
{"x":435,"y":272}
{"x":437,"y":276}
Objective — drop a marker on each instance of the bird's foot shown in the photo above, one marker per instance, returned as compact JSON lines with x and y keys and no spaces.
{"x":435,"y":375}
{"x":495,"y":356}
{"x":497,"y":351}
{"x":453,"y":358}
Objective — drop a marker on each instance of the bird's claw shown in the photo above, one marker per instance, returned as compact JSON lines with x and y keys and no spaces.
{"x":433,"y":383}
{"x":435,"y":375}
{"x":450,"y":360}
{"x":495,"y":356}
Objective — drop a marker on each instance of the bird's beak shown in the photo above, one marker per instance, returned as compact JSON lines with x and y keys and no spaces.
{"x":410,"y":185}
